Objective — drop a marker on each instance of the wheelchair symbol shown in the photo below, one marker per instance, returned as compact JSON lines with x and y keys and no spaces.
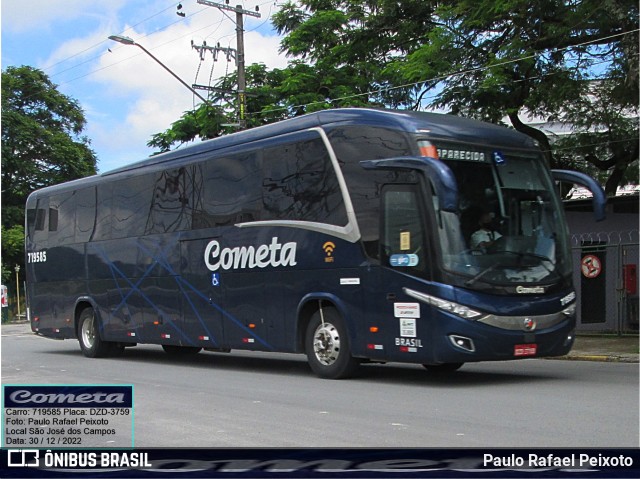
{"x":215,"y":279}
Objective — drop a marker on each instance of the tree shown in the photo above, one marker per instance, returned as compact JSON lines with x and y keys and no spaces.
{"x":272,"y":95}
{"x":340,"y":49}
{"x":570,"y":62}
{"x":41,"y":145}
{"x":574,"y":62}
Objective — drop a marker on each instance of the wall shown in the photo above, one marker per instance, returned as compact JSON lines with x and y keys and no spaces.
{"x":604,"y":304}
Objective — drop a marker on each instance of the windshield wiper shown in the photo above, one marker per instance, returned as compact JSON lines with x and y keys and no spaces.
{"x":523,"y":254}
{"x":481,"y":274}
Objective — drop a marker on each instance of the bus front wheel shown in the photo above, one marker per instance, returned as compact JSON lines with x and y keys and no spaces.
{"x":91,"y":344}
{"x":327,"y":346}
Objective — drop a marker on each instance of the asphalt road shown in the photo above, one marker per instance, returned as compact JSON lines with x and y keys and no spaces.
{"x":246,"y":399}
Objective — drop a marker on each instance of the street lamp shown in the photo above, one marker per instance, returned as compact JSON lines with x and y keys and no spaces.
{"x":17,"y":269}
{"x":129,"y":41}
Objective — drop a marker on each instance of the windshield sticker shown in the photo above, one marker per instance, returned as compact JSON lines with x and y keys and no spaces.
{"x":498,"y":158}
{"x":403,"y":260}
{"x":405,"y":240}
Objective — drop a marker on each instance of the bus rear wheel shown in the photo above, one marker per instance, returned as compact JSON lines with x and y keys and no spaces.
{"x":327,"y":346}
{"x":91,"y":344}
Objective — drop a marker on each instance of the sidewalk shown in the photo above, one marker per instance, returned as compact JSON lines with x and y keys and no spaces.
{"x":610,"y":348}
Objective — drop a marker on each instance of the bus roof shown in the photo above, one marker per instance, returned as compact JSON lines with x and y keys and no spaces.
{"x":431,"y":125}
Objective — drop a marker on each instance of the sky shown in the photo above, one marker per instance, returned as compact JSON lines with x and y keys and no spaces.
{"x":125,"y":94}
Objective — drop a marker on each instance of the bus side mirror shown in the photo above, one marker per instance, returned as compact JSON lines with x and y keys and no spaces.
{"x":599,"y":198}
{"x":440,"y":175}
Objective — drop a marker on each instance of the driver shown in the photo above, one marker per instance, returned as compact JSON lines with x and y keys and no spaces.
{"x":486,"y":235}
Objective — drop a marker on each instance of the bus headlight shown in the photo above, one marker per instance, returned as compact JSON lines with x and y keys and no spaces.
{"x":445,"y":305}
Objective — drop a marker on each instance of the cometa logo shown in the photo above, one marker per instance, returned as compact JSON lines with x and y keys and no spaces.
{"x":249,"y":257}
{"x":328,"y":248}
{"x":23,"y":396}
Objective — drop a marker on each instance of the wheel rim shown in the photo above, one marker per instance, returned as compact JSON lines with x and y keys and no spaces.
{"x":88,"y":333}
{"x":326,"y":344}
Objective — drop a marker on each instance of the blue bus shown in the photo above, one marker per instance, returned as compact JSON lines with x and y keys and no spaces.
{"x":346,"y":234}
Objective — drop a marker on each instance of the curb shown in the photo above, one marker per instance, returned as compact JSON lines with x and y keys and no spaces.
{"x":600,"y":358}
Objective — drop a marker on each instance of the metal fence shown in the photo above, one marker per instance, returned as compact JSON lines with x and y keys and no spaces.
{"x":606,"y":280}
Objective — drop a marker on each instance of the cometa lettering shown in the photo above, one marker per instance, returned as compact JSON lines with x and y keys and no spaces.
{"x":22,"y":396}
{"x":249,"y":257}
{"x":531,"y":290}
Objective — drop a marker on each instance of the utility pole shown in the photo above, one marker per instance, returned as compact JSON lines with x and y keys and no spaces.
{"x":215,"y":51}
{"x":239,"y":53}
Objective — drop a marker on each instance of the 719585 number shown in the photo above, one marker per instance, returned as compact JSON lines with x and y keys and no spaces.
{"x":37,"y":256}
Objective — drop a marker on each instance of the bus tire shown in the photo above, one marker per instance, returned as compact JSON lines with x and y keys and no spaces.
{"x":91,"y":344}
{"x":443,"y":368}
{"x":327,"y":346}
{"x":180,"y":350}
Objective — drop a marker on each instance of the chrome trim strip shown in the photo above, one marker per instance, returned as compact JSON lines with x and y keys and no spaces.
{"x":343,"y":232}
{"x":350,"y":232}
{"x":516,"y":323}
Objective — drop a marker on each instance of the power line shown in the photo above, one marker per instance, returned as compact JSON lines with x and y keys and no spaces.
{"x":100,"y":43}
{"x":442,"y":77}
{"x":124,"y":31}
{"x":137,"y":54}
{"x":96,"y":45}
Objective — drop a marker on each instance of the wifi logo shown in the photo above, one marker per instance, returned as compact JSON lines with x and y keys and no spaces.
{"x":328,"y":248}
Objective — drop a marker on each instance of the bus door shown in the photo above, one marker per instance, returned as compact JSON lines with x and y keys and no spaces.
{"x":404,"y":255}
{"x":202,"y":297}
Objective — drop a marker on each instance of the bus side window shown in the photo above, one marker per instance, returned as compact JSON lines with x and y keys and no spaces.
{"x":172,"y":202}
{"x":131,"y":206}
{"x":37,"y":230}
{"x":41,"y":219}
{"x":104,"y":199}
{"x":35,"y":221}
{"x":227,"y":190}
{"x":62,"y":219}
{"x":300,"y":184}
{"x":85,"y":214}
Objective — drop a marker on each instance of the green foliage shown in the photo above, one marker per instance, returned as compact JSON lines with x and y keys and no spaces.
{"x":12,"y":250}
{"x":41,"y":145}
{"x":571,"y":62}
{"x":204,"y":122}
{"x":556,"y":60}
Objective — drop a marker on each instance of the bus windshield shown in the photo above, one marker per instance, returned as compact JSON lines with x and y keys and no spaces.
{"x":510,"y":229}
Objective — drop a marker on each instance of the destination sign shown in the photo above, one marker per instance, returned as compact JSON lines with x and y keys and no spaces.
{"x":463,"y":155}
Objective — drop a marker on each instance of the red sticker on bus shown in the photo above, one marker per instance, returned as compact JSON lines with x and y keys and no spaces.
{"x":520,"y":350}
